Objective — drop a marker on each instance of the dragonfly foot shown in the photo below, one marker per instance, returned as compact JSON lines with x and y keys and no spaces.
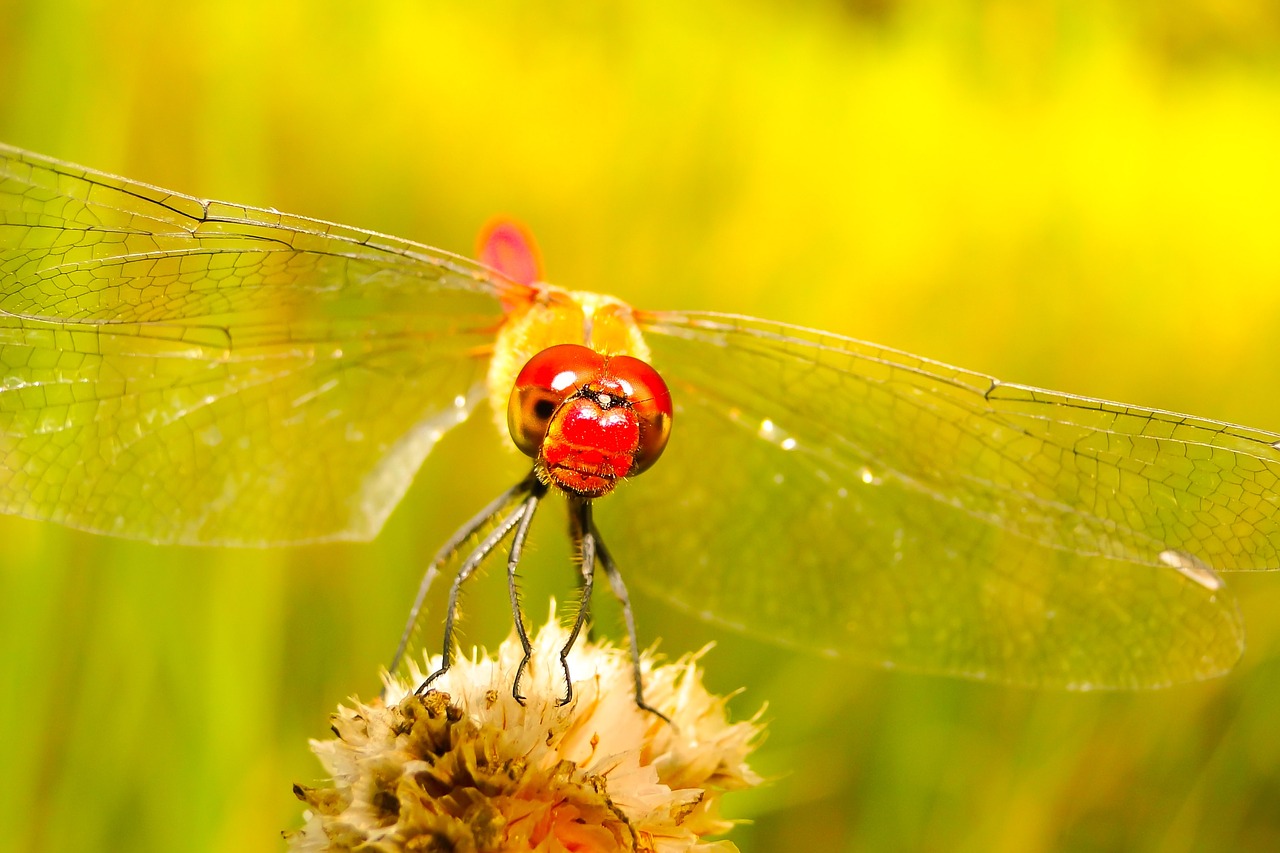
{"x":422,"y":688}
{"x":645,"y":706}
{"x":515,"y":684}
{"x":568,"y":681}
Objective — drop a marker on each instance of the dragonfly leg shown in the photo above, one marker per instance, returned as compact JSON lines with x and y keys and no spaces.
{"x":513,"y":560}
{"x":468,"y":568}
{"x":583,"y":532}
{"x":620,"y":592}
{"x":463,"y":533}
{"x":591,"y":625}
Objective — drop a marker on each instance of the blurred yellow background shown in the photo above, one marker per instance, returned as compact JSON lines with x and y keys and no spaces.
{"x":1072,"y":195}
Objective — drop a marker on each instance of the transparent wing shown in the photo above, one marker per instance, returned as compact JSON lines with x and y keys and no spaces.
{"x":877,"y":506}
{"x":178,"y":370}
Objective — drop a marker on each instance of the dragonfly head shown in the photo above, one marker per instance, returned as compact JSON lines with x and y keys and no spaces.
{"x":588,"y":419}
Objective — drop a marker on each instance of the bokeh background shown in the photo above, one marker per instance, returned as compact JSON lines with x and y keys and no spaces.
{"x":1081,"y":195}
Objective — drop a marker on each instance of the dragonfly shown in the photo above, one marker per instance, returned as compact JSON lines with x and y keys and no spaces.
{"x":183,"y":371}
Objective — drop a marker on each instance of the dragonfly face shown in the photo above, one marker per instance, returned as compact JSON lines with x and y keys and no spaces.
{"x":588,"y":419}
{"x":176,"y":370}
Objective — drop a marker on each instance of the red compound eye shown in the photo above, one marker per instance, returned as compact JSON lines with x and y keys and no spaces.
{"x":587,"y":418}
{"x":546,"y":381}
{"x":651,"y":401}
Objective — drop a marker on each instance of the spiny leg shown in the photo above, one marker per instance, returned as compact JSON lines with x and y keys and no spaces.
{"x":591,"y":625}
{"x":468,"y":568}
{"x":583,"y":532}
{"x":513,"y":560}
{"x":620,"y":592}
{"x":461,"y":535}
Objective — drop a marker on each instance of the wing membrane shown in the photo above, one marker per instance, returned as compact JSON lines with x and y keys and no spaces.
{"x":186,"y":371}
{"x":907,"y":513}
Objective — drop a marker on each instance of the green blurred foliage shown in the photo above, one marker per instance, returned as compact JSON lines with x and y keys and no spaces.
{"x":1078,"y":195}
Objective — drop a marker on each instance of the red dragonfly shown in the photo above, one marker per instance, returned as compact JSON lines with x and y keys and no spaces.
{"x":186,"y":371}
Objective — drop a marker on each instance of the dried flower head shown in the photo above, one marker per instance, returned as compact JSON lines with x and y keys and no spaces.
{"x":471,"y":769}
